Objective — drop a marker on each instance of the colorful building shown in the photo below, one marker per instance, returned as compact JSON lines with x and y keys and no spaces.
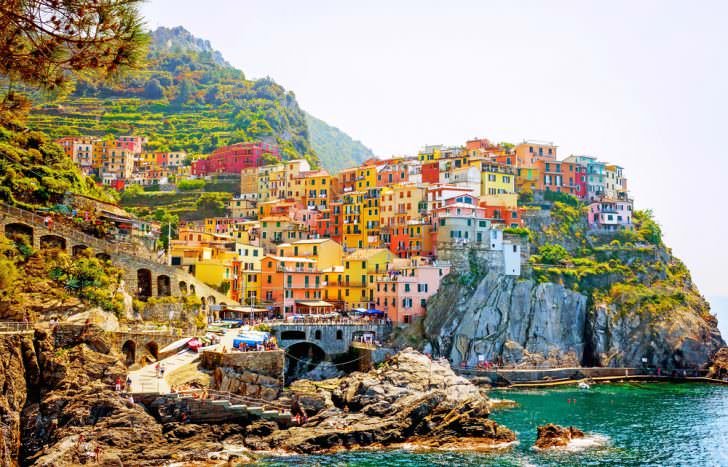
{"x":234,"y":158}
{"x":404,"y":290}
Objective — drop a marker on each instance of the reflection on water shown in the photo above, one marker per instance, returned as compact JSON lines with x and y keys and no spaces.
{"x":641,"y":423}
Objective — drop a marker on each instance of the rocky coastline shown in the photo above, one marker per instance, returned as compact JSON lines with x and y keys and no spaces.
{"x":59,"y":407}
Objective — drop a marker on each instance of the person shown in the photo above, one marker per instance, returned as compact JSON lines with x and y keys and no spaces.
{"x":297,"y":411}
{"x":117,"y":385}
{"x":161,"y":371}
{"x":97,"y":452}
{"x":128,"y":383}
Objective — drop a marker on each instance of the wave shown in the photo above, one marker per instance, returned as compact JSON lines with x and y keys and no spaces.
{"x":589,"y":441}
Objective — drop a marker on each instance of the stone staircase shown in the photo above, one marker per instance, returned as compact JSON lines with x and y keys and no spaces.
{"x":217,"y":408}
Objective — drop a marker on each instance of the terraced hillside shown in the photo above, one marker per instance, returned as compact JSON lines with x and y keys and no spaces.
{"x":188,"y":98}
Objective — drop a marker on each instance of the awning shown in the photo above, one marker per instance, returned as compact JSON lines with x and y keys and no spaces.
{"x":318,"y":303}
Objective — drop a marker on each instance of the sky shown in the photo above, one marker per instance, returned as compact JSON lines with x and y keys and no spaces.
{"x":640,"y":84}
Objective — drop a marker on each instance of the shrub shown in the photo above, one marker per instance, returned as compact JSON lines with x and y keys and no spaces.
{"x":557,"y":196}
{"x":189,"y":185}
{"x":553,"y":254}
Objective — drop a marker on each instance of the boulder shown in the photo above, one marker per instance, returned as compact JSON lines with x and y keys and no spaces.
{"x":719,"y":364}
{"x":555,"y":436}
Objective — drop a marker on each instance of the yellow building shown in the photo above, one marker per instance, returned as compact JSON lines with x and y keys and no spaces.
{"x":357,"y":280}
{"x":246,"y":281}
{"x":271,"y":179}
{"x":497,"y":179}
{"x":326,"y":252}
{"x":360,"y":211}
{"x":313,"y":189}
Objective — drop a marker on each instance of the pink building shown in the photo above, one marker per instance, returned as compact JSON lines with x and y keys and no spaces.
{"x":403,"y":292}
{"x":610,"y":215}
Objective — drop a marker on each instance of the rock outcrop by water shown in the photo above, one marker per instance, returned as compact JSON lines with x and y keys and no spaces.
{"x":555,"y":436}
{"x":506,"y":319}
{"x":410,"y":399}
{"x":520,"y":323}
{"x":719,"y":364}
{"x":59,"y":406}
{"x":75,"y":409}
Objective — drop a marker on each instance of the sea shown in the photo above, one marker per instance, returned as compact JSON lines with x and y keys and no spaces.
{"x":658,"y":424}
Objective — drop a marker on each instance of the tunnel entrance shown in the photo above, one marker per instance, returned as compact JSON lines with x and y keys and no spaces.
{"x":144,"y":283}
{"x":302,"y":358}
{"x":129,"y":351}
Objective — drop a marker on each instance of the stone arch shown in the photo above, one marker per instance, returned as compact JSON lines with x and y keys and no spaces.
{"x":164,"y":286}
{"x":183,"y":287}
{"x":78,"y":249}
{"x":129,"y":350}
{"x":51,"y":241}
{"x":302,"y":357}
{"x":16,"y":228}
{"x":144,"y":283}
{"x":103,"y":256}
{"x":153,"y":349}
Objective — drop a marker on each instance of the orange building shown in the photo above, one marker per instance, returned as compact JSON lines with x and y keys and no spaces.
{"x":292,"y":285}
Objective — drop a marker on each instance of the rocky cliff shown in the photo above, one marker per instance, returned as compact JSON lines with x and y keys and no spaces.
{"x":18,"y":372}
{"x":586,"y":298}
{"x":515,"y":321}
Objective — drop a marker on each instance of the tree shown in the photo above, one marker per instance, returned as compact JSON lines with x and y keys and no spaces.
{"x":44,"y":42}
{"x":153,"y":89}
{"x":186,"y":90}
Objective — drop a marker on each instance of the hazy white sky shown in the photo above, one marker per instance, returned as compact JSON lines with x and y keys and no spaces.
{"x":640,"y":83}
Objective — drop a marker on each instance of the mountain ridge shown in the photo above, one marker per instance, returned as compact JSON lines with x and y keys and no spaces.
{"x":188,"y":97}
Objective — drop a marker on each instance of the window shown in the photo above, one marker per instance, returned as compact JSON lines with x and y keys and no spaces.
{"x":317,"y":335}
{"x":339,"y":335}
{"x":407,"y":287}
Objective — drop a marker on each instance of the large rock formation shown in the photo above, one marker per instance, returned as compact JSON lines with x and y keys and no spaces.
{"x":409,"y":399}
{"x":614,"y":299}
{"x":18,"y":370}
{"x":509,"y":320}
{"x":680,"y":338}
{"x":76,"y":410}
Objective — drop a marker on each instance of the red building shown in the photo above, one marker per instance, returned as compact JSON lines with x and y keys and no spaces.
{"x":431,"y":172}
{"x":234,"y":158}
{"x":503,"y":215}
{"x":393,"y":172}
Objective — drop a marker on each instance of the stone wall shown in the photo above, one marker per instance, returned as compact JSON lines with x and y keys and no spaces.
{"x":253,"y":374}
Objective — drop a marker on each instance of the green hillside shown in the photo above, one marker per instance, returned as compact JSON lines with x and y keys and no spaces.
{"x":335,"y":149}
{"x":186,"y":98}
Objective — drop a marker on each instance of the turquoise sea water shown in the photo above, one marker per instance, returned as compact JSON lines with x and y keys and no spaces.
{"x":638,"y":424}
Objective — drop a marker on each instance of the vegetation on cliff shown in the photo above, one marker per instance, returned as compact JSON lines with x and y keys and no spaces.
{"x":51,"y":281}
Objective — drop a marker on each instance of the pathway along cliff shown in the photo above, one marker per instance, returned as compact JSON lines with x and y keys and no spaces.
{"x":58,"y":405}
